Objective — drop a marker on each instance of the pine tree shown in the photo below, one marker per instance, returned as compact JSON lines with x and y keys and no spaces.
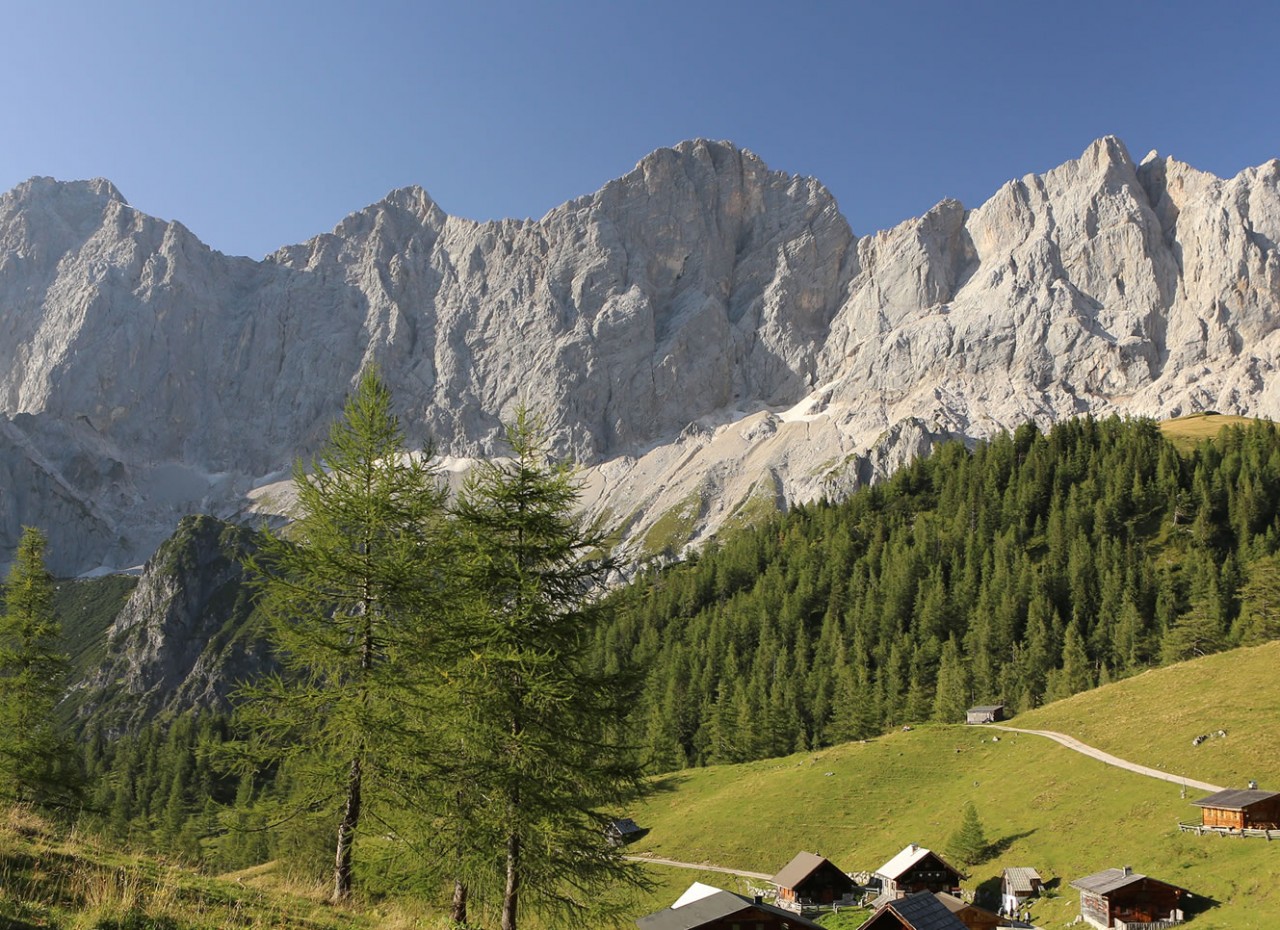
{"x":37,"y":762}
{"x":542,"y":727}
{"x":350,"y":592}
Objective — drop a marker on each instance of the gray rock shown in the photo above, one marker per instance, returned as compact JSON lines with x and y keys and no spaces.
{"x":144,"y":376}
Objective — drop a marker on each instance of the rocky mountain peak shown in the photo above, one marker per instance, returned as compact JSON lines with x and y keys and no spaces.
{"x":702,"y":329}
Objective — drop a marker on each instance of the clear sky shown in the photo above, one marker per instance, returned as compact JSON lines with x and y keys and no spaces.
{"x":260,"y":124}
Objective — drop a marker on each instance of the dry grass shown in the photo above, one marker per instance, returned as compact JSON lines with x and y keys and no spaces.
{"x":1187,"y":432}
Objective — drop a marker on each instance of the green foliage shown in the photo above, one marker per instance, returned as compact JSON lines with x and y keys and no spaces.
{"x":1260,"y":602}
{"x":1025,"y":570}
{"x":968,"y":845}
{"x":37,"y":759}
{"x":349,"y":593}
{"x":538,"y":767}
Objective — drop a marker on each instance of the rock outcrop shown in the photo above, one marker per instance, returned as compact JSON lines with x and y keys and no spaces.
{"x":184,"y":637}
{"x":707,"y":335}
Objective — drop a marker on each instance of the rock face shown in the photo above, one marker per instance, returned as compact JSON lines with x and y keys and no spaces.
{"x":182,"y":639}
{"x":706,"y":334}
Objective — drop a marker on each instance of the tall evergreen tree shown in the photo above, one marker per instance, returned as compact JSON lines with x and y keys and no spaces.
{"x":349,"y":591}
{"x":1260,"y":602}
{"x":542,"y":726}
{"x":968,"y":844}
{"x":37,"y":762}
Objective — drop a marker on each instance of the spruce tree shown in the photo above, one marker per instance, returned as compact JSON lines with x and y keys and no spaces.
{"x":968,"y":844}
{"x":37,"y":762}
{"x":541,"y":726}
{"x":350,"y":590}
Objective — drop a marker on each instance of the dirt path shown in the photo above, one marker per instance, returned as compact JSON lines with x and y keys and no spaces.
{"x":700,"y":866}
{"x":1072,"y":743}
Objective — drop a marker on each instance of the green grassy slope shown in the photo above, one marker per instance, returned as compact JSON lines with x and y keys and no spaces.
{"x":1044,"y":805}
{"x":1153,"y":717}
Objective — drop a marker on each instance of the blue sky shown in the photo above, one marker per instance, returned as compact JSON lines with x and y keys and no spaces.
{"x":262,"y":124}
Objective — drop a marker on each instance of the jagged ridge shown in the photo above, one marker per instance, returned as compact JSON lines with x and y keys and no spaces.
{"x":703,"y":331}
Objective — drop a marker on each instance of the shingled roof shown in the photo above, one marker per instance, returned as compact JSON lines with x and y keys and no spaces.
{"x":1109,"y":880}
{"x":798,"y":869}
{"x":1235,"y":799}
{"x":921,"y":912}
{"x":909,"y":857}
{"x":1021,"y":879}
{"x":716,"y":904}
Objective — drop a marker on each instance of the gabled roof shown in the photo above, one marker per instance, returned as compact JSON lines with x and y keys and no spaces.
{"x":908,"y":858}
{"x":798,"y":869}
{"x":714,"y":904}
{"x":1021,"y":879}
{"x":921,"y":912}
{"x":986,"y":708}
{"x":1235,"y":799}
{"x":624,"y":826}
{"x":1109,"y":880}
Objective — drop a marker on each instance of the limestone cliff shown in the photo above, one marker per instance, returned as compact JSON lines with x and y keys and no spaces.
{"x":706,"y":334}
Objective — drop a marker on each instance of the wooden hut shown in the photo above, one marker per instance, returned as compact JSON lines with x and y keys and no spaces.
{"x":1017,"y":887}
{"x":986,"y":713}
{"x":914,"y":912}
{"x":811,"y":880}
{"x":917,"y":869}
{"x":623,"y":831}
{"x":1241,"y":809}
{"x":1124,"y":895}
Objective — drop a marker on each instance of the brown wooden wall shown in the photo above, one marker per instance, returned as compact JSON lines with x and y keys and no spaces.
{"x":1264,"y":815}
{"x":1216,"y":817}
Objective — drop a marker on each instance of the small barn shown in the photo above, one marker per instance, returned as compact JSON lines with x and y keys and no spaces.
{"x":623,"y":831}
{"x":810,"y":880}
{"x":1115,"y":897}
{"x":917,"y":869}
{"x":705,"y":907}
{"x":972,"y":916}
{"x":987,"y":713}
{"x":1017,"y":887}
{"x":1241,"y":809}
{"x":914,"y":912}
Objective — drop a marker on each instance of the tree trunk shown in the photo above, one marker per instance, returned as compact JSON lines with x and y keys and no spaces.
{"x":346,"y":835}
{"x":511,"y":894}
{"x":458,"y":914}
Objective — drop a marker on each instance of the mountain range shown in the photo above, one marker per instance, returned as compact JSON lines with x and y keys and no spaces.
{"x":707,"y":336}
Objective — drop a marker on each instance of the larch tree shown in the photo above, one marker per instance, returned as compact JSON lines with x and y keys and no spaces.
{"x":541,"y":728}
{"x":351,"y":590}
{"x":1260,"y":602}
{"x":37,"y":762}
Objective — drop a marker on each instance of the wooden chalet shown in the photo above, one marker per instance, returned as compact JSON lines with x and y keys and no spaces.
{"x":704,"y":907}
{"x":1017,"y":887}
{"x":986,"y":713}
{"x":1241,"y":809}
{"x":972,"y":916}
{"x":914,"y":912}
{"x":917,"y":869}
{"x":1126,"y":899}
{"x":810,"y":880}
